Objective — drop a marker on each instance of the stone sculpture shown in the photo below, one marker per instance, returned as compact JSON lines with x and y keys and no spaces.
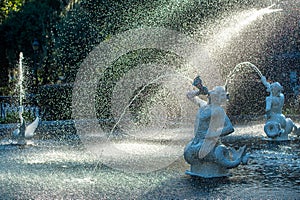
{"x":24,"y":133}
{"x":205,"y":153}
{"x":277,"y":126}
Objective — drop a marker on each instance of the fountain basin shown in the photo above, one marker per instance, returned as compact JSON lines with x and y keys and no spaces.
{"x":64,"y":169}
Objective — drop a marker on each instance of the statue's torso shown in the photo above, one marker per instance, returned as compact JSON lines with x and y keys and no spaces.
{"x":204,"y":117}
{"x":276,"y":104}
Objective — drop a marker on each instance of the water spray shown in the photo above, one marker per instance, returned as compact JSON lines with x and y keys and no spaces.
{"x":20,"y":85}
{"x":239,"y":66}
{"x":140,"y":91}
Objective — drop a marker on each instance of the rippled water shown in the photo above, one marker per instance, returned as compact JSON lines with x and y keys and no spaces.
{"x":49,"y":169}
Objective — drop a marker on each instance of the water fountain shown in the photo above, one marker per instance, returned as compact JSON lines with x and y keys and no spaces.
{"x":24,"y":132}
{"x":208,"y":157}
{"x":148,"y":162}
{"x":205,"y":154}
{"x":277,"y":127}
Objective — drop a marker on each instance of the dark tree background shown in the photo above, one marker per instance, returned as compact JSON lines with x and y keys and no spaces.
{"x":67,"y":30}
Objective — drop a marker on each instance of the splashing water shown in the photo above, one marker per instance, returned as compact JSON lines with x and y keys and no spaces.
{"x":57,"y":171}
{"x":139,"y":93}
{"x":229,"y":28}
{"x":238,"y":67}
{"x":198,"y":59}
{"x":20,"y":85}
{"x":219,"y":35}
{"x":232,"y":26}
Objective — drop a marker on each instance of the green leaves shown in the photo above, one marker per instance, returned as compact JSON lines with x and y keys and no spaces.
{"x":9,"y":6}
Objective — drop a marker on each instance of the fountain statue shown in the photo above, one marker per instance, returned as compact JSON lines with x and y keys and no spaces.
{"x":23,"y":133}
{"x":205,"y":153}
{"x":277,"y":126}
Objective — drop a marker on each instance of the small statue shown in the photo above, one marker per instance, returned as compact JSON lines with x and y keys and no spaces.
{"x":277,"y":126}
{"x":24,"y":132}
{"x":205,"y":153}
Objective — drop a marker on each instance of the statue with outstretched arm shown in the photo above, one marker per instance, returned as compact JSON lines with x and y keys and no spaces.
{"x":205,"y":153}
{"x":277,"y":126}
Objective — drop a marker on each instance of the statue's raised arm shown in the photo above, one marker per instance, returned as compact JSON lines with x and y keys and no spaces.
{"x":205,"y":153}
{"x":193,"y":95}
{"x":265,"y":82}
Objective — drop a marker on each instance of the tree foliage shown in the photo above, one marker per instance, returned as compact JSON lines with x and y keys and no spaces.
{"x":66,"y":37}
{"x":22,"y":23}
{"x":9,"y":6}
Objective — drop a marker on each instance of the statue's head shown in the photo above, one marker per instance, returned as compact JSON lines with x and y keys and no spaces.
{"x":218,"y":95}
{"x":276,"y":88}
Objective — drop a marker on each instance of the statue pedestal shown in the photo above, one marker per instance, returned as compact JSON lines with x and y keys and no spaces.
{"x":278,"y":128}
{"x":208,"y":170}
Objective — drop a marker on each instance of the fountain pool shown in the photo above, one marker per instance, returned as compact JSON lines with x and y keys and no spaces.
{"x":51,"y":169}
{"x":141,"y":155}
